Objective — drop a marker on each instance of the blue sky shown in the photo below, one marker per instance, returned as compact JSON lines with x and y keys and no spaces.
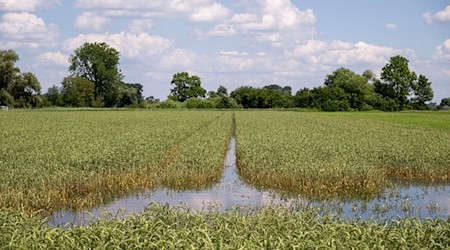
{"x":233,"y":42}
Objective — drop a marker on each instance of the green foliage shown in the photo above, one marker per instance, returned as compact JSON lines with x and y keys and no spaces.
{"x":54,"y":96}
{"x":168,"y":104}
{"x":138,"y":89}
{"x":197,"y":103}
{"x":98,"y":63}
{"x":18,"y":89}
{"x":445,"y":104}
{"x":330,"y":99}
{"x":222,"y":91}
{"x":356,"y":89}
{"x":225,"y":102}
{"x":5,"y":98}
{"x":186,"y":87}
{"x":423,"y":92}
{"x":8,"y":70}
{"x":78,"y":92}
{"x":130,"y":95}
{"x":161,"y":227}
{"x":397,"y":81}
{"x":268,"y":97}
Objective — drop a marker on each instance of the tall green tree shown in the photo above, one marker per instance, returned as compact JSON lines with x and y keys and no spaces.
{"x":445,"y":103}
{"x":222,"y":91}
{"x":78,"y":92}
{"x":356,"y":87}
{"x":186,"y":87}
{"x":8,"y":71}
{"x":423,"y":92}
{"x":99,"y":64}
{"x":18,"y":89}
{"x":397,"y":81}
{"x":54,"y":96}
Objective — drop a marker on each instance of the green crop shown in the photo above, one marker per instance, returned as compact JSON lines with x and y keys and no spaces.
{"x":53,"y":160}
{"x":349,"y":155}
{"x":160,"y":227}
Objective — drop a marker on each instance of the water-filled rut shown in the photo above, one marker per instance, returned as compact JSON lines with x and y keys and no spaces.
{"x":232,"y":191}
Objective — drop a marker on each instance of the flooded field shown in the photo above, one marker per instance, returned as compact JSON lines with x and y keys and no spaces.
{"x":231,"y":191}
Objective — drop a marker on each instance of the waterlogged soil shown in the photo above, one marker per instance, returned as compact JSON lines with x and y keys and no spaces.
{"x":403,"y":201}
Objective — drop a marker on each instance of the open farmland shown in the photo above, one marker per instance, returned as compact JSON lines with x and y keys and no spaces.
{"x":52,"y":160}
{"x":346,"y":155}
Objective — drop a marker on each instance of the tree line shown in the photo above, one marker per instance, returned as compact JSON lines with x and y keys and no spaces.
{"x":95,"y":80}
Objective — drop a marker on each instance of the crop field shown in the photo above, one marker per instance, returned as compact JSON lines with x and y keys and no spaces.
{"x":52,"y":160}
{"x":345,"y":155}
{"x":271,"y":228}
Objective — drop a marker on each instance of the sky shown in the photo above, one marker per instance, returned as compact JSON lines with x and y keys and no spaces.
{"x":232,"y":42}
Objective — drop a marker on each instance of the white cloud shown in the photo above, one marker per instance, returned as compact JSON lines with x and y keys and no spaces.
{"x":222,"y":30}
{"x":26,"y":30}
{"x":214,"y":12}
{"x":91,"y":20}
{"x":276,"y":22}
{"x":196,"y":10}
{"x":140,"y":25}
{"x":179,"y":59}
{"x":26,"y":5}
{"x":343,"y":53}
{"x":118,"y":4}
{"x":243,"y":18}
{"x":57,"y":58}
{"x":130,"y":45}
{"x":443,"y":51}
{"x":441,"y":16}
{"x":275,"y":14}
{"x":391,"y":26}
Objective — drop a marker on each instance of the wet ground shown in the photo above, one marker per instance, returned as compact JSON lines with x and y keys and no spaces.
{"x":403,"y":201}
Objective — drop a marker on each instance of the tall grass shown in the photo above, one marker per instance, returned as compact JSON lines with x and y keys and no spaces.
{"x":51,"y":160}
{"x":160,"y":227}
{"x":323,"y":155}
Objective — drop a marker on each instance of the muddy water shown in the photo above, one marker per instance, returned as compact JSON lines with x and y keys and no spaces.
{"x":232,"y":191}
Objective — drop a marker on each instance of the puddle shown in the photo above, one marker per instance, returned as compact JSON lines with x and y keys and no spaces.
{"x":231,"y":191}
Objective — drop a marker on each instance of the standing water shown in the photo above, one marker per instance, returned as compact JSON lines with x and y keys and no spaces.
{"x":232,"y":191}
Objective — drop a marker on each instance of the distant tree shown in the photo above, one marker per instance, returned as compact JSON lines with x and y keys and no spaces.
{"x":397,"y":81}
{"x":18,"y":89}
{"x":128,"y":96}
{"x":250,"y":97}
{"x":8,"y":71}
{"x":423,"y":92}
{"x":357,"y":90}
{"x":98,"y":63}
{"x":186,"y":87}
{"x":330,"y":99}
{"x":5,"y":98}
{"x":225,"y":102}
{"x":78,"y":92}
{"x":304,"y":98}
{"x":369,"y":75}
{"x":287,"y":90}
{"x":152,"y":100}
{"x":138,"y":88}
{"x":246,"y":96}
{"x":25,"y":90}
{"x":212,"y":94}
{"x":54,"y":96}
{"x":273,"y":87}
{"x":445,"y":104}
{"x":222,"y":91}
